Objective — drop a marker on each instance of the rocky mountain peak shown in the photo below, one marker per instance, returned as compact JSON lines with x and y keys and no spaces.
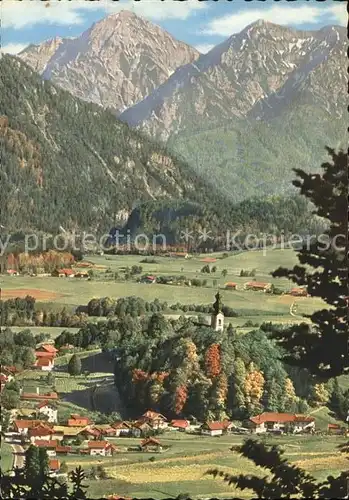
{"x":116,"y":63}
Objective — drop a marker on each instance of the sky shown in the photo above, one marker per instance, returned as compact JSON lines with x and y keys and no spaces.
{"x":200,"y":23}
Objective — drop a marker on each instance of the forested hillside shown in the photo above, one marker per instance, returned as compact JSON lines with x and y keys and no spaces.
{"x":68,"y":163}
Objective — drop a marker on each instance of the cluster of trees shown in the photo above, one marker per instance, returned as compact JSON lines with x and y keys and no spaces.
{"x":17,"y":349}
{"x":246,"y":273}
{"x":196,"y":373}
{"x":185,"y":369}
{"x":23,"y":312}
{"x":133,"y":306}
{"x":208,"y":269}
{"x":39,"y":262}
{"x":202,"y":308}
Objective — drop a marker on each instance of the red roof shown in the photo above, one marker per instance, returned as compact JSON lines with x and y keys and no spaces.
{"x":92,"y":432}
{"x":98,"y":444}
{"x":27,"y":424}
{"x":63,"y":449}
{"x":46,"y":443}
{"x":150,"y":441}
{"x":44,"y":354}
{"x":43,"y":404}
{"x":78,"y":422}
{"x":231,"y":285}
{"x":153,"y":415}
{"x":257,"y":284}
{"x":181,"y":424}
{"x":217,"y":426}
{"x":48,"y":348}
{"x":40,"y":430}
{"x":280,"y":418}
{"x":67,"y":272}
{"x":333,"y":426}
{"x":30,"y":395}
{"x":3,"y":378}
{"x":121,"y":425}
{"x":54,"y":464}
{"x":11,"y":271}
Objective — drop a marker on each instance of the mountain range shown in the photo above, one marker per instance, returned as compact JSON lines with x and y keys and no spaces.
{"x":242,"y":117}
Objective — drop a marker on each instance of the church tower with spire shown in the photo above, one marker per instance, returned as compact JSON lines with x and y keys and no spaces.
{"x":217,"y":318}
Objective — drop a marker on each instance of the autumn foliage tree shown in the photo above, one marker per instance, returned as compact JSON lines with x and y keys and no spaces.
{"x":254,"y":385}
{"x":213,"y":361}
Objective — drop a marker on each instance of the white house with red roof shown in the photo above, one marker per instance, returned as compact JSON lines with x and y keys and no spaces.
{"x":179,"y":425}
{"x":49,"y":410}
{"x":156,"y":420}
{"x":216,"y":428}
{"x":49,"y":445}
{"x":45,"y":356}
{"x":102,"y":448}
{"x":273,"y":421}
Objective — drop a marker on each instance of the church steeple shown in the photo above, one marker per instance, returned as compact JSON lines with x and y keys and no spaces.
{"x":217,"y":318}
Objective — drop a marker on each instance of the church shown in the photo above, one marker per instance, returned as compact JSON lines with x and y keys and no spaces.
{"x":217,"y":318}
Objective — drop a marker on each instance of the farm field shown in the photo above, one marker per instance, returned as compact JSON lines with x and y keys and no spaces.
{"x":70,"y":293}
{"x":181,"y":469}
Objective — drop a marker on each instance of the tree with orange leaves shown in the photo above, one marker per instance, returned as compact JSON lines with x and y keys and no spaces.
{"x":254,"y":385}
{"x":213,"y":361}
{"x":180,"y":398}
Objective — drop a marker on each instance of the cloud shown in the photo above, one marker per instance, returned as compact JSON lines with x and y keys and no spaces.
{"x":339,"y":13}
{"x":204,"y":47}
{"x":234,"y":23}
{"x":14,"y":48}
{"x":73,"y":13}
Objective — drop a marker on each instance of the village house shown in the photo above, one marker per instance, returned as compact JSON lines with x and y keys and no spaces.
{"x":41,"y":431}
{"x":148,"y":279}
{"x":49,"y":445}
{"x":179,"y":425}
{"x":45,"y":355}
{"x":63,"y":273}
{"x":102,"y":448}
{"x":216,"y":428}
{"x":151,"y":444}
{"x":52,"y":396}
{"x":122,"y":428}
{"x":78,"y":421}
{"x":156,"y":420}
{"x":140,"y":428}
{"x":48,"y":349}
{"x":44,"y":363}
{"x":63,"y":450}
{"x":335,"y":429}
{"x":63,"y":431}
{"x":22,"y":426}
{"x":54,"y":466}
{"x":282,"y":421}
{"x":49,"y":410}
{"x":105,"y":429}
{"x":90,"y":432}
{"x":230,"y":286}
{"x":257,"y":286}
